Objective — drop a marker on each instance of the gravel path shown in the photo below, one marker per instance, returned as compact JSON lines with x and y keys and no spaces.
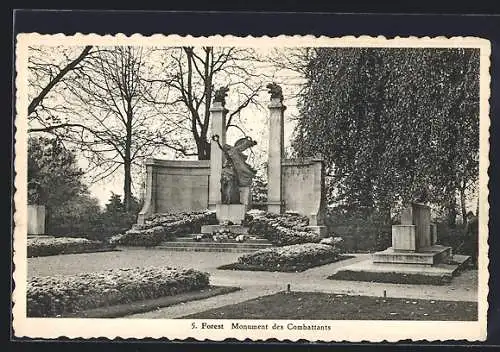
{"x":127,"y":258}
{"x":253,"y":283}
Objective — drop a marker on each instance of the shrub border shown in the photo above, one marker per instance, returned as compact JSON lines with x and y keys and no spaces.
{"x":40,"y":251}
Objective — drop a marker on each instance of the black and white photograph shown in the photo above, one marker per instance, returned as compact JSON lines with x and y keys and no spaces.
{"x":224,"y":187}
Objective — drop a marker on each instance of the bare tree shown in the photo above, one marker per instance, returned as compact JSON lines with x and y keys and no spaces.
{"x":115,"y":128}
{"x":46,"y":72}
{"x":192,"y":74}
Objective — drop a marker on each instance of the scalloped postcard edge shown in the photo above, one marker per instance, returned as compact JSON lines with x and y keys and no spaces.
{"x":180,"y":329}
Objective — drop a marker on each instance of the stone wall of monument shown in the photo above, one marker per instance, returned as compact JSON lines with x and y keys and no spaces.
{"x":303,"y":188}
{"x":175,"y":186}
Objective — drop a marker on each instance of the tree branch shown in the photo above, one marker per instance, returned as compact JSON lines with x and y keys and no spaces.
{"x":38,"y":99}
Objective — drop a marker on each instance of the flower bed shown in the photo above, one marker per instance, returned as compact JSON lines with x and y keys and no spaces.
{"x":180,"y":223}
{"x":282,"y":229}
{"x":298,"y":257}
{"x":61,"y":295}
{"x":162,"y":227}
{"x":144,"y":238}
{"x":41,"y":247}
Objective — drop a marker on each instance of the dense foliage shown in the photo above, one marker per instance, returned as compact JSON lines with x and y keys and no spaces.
{"x":52,"y":296}
{"x":41,"y":247}
{"x":363,"y":230}
{"x":56,"y":181}
{"x":81,"y":216}
{"x":53,"y":173}
{"x":393,"y":124}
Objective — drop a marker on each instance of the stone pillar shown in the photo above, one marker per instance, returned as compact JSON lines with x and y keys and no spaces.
{"x":275,"y":154}
{"x":36,"y":220}
{"x":218,"y":117}
{"x":149,"y":207}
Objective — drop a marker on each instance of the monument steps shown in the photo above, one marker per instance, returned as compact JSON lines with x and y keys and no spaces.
{"x":207,"y":249}
{"x":188,"y":243}
{"x":248,"y":241}
{"x":213,"y":244}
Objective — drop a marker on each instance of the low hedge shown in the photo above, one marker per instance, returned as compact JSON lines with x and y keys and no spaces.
{"x":281,"y":229}
{"x":41,"y":247}
{"x":162,"y":227}
{"x":293,"y":258}
{"x":61,"y":295}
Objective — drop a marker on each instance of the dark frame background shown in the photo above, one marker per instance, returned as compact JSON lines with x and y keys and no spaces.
{"x":258,"y":23}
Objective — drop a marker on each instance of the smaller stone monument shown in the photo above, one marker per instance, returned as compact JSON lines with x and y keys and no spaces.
{"x":414,"y":257}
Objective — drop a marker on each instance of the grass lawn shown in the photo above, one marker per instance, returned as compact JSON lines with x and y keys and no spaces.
{"x":325,"y":306}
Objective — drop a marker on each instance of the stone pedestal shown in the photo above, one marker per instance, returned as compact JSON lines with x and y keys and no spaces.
{"x":275,"y":156}
{"x":245,"y":197}
{"x":36,"y":220}
{"x":404,"y":238}
{"x":419,"y":215}
{"x":218,"y":120}
{"x":234,"y":213}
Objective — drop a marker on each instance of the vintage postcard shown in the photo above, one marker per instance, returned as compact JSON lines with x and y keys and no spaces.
{"x":289,"y":188}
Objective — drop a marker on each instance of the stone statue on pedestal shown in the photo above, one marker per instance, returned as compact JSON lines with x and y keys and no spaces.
{"x":236,"y":172}
{"x":220,"y":95}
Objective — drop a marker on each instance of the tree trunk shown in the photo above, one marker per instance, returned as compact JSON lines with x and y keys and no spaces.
{"x":451,"y":212}
{"x":127,"y":163}
{"x":203,"y":148}
{"x":127,"y":186}
{"x":462,"y":205}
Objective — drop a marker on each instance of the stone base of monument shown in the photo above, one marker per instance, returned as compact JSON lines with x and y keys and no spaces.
{"x":234,"y":213}
{"x":234,"y":229}
{"x":320,"y":230}
{"x":426,"y":256}
{"x":437,"y":274}
{"x":40,"y":236}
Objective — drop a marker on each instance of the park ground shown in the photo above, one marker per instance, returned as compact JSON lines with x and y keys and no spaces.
{"x":254,"y":285}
